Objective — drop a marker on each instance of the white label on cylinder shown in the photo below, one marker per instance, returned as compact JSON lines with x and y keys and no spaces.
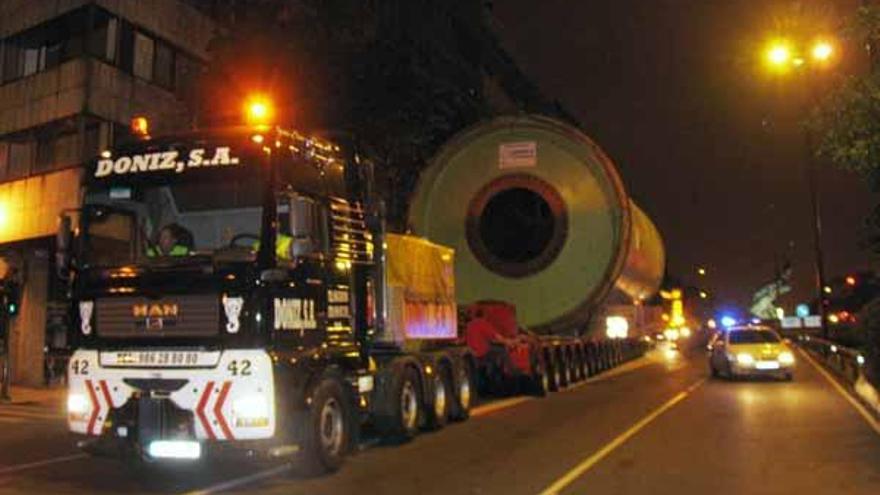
{"x":518,"y":155}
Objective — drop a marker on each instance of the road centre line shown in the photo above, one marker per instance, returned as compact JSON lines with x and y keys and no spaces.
{"x":867,"y":416}
{"x":577,"y":471}
{"x":36,"y":464}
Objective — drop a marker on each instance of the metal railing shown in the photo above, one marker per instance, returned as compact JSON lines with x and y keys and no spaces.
{"x":845,"y":362}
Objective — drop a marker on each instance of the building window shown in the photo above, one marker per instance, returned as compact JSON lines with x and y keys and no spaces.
{"x":104,"y":36}
{"x":144,"y":49}
{"x":163,"y":70}
{"x":45,"y":46}
{"x":21,"y":157}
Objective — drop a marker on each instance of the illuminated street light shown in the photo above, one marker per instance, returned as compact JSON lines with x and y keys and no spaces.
{"x":701,"y":271}
{"x":258,"y":110}
{"x":822,"y":51}
{"x":851,"y":281}
{"x":779,"y":54}
{"x":704,"y":294}
{"x":827,"y":289}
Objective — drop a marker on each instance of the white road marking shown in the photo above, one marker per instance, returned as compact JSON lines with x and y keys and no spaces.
{"x":36,"y":464}
{"x":244,"y":480}
{"x":868,"y":417}
{"x":577,"y":471}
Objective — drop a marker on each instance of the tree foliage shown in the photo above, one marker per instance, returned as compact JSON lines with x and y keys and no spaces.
{"x":401,"y":76}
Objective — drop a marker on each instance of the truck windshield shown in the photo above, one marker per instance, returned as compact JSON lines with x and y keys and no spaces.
{"x":171,"y":223}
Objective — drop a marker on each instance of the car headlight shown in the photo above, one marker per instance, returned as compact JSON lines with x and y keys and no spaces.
{"x":744,"y":358}
{"x":251,"y":411}
{"x":78,"y":404}
{"x":785,"y":357}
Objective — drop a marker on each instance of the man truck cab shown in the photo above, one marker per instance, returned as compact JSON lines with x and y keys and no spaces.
{"x":268,"y":334}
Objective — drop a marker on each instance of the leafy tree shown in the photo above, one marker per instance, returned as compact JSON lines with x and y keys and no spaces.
{"x":401,"y":76}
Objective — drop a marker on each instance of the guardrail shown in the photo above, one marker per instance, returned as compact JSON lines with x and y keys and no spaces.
{"x":845,"y":362}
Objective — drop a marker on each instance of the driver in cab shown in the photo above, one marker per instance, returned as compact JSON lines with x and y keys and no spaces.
{"x":171,"y":242}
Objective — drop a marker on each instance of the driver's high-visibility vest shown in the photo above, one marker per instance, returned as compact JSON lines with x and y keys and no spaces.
{"x":283,"y":244}
{"x":176,"y":250}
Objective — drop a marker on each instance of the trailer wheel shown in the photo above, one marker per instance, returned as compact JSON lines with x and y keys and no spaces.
{"x":441,"y":396}
{"x":576,"y":366}
{"x":585,"y":364}
{"x":554,"y":373}
{"x":461,"y":405}
{"x":539,"y":382}
{"x":565,"y":365}
{"x":328,"y":430}
{"x":402,"y":410}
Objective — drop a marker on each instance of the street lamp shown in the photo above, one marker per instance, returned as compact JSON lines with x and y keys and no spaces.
{"x":822,"y":51}
{"x":783,"y":56}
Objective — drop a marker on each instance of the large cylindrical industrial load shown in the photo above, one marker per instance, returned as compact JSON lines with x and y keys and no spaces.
{"x":539,"y":218}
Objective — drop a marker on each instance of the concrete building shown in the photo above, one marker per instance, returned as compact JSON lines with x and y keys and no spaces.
{"x":72,"y":75}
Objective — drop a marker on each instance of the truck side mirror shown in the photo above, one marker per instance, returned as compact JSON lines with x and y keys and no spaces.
{"x":63,"y":241}
{"x":303,"y":226}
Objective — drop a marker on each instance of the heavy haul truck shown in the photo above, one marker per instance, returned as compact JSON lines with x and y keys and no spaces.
{"x":234,"y":290}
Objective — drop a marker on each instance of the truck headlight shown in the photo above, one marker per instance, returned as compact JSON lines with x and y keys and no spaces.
{"x":78,"y":404}
{"x":744,"y":358}
{"x":251,"y":411}
{"x":785,"y":357}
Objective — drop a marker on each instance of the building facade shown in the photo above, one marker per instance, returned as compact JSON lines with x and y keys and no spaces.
{"x":72,"y":75}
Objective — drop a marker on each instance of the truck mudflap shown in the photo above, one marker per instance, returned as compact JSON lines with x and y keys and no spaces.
{"x":216,"y":395}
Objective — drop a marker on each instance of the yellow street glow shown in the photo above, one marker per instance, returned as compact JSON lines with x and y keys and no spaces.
{"x":778,"y":54}
{"x":258,"y":110}
{"x":822,"y":51}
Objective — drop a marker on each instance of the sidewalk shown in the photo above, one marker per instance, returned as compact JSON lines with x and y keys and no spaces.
{"x":49,"y":397}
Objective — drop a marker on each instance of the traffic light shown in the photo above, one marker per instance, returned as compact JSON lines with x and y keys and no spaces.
{"x":10,"y":296}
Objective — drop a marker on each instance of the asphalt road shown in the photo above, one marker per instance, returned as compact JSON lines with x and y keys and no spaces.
{"x":657,"y":425}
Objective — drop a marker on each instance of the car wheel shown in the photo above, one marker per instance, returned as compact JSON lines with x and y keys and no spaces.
{"x":788,"y":377}
{"x":713,"y":370}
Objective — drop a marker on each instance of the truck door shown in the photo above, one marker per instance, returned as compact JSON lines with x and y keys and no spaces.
{"x":300,"y":302}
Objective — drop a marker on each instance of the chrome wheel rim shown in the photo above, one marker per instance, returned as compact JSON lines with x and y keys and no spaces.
{"x":332,"y":427}
{"x":439,"y":398}
{"x":409,"y":405}
{"x":464,"y":392}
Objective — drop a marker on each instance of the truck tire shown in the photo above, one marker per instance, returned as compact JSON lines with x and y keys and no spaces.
{"x":565,"y":367}
{"x":539,"y":382}
{"x":402,"y":411}
{"x":437,"y":409}
{"x":576,"y":366}
{"x":554,"y":373}
{"x":328,"y":430}
{"x":585,"y":364}
{"x":464,"y":389}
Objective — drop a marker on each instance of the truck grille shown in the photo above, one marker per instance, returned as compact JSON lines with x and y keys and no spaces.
{"x":139,"y":317}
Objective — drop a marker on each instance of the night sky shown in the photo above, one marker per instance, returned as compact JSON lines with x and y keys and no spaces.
{"x":707,"y":142}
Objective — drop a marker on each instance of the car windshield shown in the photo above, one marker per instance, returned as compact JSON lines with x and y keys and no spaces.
{"x":171,"y":223}
{"x":752,"y":337}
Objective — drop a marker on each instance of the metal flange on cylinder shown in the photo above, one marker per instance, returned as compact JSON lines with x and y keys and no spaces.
{"x":539,"y":217}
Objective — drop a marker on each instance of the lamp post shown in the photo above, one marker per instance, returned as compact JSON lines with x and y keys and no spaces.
{"x":806,"y":60}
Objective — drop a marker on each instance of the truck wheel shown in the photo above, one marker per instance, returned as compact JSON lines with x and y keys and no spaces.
{"x":576,"y":367}
{"x":565,"y":365}
{"x":540,"y":382}
{"x":461,"y":406}
{"x":402,"y":413}
{"x":585,"y":365}
{"x":554,"y":374}
{"x":438,"y":408}
{"x":328,"y":432}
